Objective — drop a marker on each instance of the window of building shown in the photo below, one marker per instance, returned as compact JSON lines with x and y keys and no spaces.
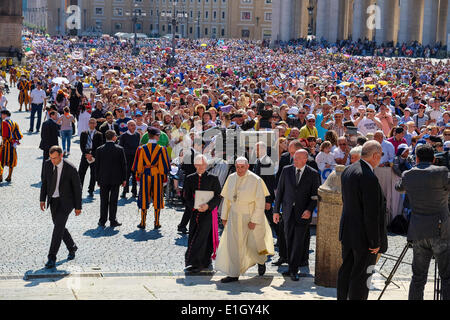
{"x":206,"y":14}
{"x":214,"y":15}
{"x":118,"y":26}
{"x":246,"y":1}
{"x":246,"y":16}
{"x":164,"y":28}
{"x":118,"y":12}
{"x":223,"y":15}
{"x":98,"y":25}
{"x":139,"y":26}
{"x":268,"y":16}
{"x":98,"y":11}
{"x":222,"y":32}
{"x":190,"y":30}
{"x":245,"y":33}
{"x":206,"y":31}
{"x":268,"y":1}
{"x":267,"y":34}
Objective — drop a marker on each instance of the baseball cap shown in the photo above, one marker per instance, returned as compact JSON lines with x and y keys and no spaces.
{"x":293,"y":110}
{"x":310,"y":117}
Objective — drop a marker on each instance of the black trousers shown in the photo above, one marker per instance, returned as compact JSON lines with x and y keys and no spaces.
{"x":354,"y":273}
{"x":130,"y":160}
{"x":295,"y":234}
{"x":281,"y":239}
{"x":84,"y":165}
{"x":109,"y":195}
{"x":60,"y":233}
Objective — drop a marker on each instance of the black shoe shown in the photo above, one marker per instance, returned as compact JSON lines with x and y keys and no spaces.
{"x":123,"y":195}
{"x":1,"y":179}
{"x":134,"y":194}
{"x":157,"y":226}
{"x":50,"y":264}
{"x":115,"y":224}
{"x":90,"y":194}
{"x":182,"y":230}
{"x":295,"y":277}
{"x":229,"y":279}
{"x":140,"y":226}
{"x":101,"y":224}
{"x":261,"y":269}
{"x":71,"y":255}
{"x":304,"y":263}
{"x":8,"y":179}
{"x":279,"y":262}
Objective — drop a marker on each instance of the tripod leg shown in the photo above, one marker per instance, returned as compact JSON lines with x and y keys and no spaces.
{"x":397,"y":264}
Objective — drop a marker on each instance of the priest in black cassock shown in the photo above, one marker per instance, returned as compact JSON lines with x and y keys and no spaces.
{"x":200,"y":242}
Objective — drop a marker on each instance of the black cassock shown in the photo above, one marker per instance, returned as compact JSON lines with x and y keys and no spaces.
{"x":200,"y":243}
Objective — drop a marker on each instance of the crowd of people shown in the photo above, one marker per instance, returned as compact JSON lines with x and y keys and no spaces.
{"x":324,"y":104}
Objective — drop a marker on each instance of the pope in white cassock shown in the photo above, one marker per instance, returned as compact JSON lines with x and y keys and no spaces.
{"x":247,"y":237}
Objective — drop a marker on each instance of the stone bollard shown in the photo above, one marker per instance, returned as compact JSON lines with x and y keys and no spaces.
{"x":328,"y":246}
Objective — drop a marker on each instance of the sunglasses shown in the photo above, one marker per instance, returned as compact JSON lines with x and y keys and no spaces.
{"x":311,"y":120}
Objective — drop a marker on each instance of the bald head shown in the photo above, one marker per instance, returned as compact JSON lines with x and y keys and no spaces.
{"x":300,"y":158}
{"x":378,"y":136}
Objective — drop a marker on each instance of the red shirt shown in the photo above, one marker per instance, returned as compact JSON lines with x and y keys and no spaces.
{"x":396,"y":143}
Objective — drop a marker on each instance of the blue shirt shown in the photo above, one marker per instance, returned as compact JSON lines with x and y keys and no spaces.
{"x":320,"y":130}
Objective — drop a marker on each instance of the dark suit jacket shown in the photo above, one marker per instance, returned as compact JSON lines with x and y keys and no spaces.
{"x":427,"y":187}
{"x":97,"y":141}
{"x":49,"y":135}
{"x":209,"y":182}
{"x":269,"y":179}
{"x":285,"y":160}
{"x":294,"y":199}
{"x":69,"y":186}
{"x":105,"y":127}
{"x":110,"y":164}
{"x":363,"y":224}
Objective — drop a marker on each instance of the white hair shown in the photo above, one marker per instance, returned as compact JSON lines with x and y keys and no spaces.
{"x":199,"y":159}
{"x":241,"y":160}
{"x":356,"y":150}
{"x":369,"y":148}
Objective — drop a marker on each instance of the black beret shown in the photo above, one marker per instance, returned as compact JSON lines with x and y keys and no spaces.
{"x":153,"y":131}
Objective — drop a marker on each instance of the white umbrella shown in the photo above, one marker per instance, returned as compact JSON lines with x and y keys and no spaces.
{"x":60,"y":80}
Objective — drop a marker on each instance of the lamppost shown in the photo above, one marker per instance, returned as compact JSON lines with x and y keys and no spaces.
{"x":135,"y":14}
{"x":174,"y":16}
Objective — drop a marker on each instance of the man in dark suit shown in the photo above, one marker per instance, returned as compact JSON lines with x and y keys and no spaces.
{"x":61,"y":189}
{"x":427,"y":187}
{"x":110,"y":173}
{"x":90,"y":140}
{"x":362,"y":228}
{"x":130,"y":143}
{"x":49,"y":134}
{"x":297,"y":196}
{"x":286,"y":159}
{"x":109,"y":124}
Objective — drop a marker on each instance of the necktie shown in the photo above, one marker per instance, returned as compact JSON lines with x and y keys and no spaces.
{"x":297,"y":176}
{"x":54,"y":180}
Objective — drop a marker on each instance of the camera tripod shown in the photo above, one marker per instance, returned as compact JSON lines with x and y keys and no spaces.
{"x":437,"y":279}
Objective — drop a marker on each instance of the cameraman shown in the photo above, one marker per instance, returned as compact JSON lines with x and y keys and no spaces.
{"x":427,"y":187}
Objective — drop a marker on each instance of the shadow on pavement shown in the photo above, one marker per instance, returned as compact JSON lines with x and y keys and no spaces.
{"x":142,"y":235}
{"x":36,"y":185}
{"x":123,"y":201}
{"x":182,"y":241}
{"x":34,"y":278}
{"x":305,"y":285}
{"x":101,"y":232}
{"x":197,"y":279}
{"x":252,"y":285}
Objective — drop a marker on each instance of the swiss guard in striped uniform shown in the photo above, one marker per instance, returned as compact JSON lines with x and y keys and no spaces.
{"x":151,"y":166}
{"x":24,"y":96}
{"x":10,"y":139}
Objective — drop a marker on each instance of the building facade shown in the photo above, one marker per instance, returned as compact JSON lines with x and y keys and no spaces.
{"x":425,"y":21}
{"x":35,"y":14}
{"x":250,"y":19}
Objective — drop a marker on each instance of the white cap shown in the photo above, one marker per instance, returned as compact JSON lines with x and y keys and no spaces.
{"x":241,"y":160}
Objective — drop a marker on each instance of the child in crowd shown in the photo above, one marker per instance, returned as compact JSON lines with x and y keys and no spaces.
{"x":325,"y":160}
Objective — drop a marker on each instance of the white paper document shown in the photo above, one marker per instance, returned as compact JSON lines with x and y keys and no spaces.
{"x":202,"y":197}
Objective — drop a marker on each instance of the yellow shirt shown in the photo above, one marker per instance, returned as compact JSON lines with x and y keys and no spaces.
{"x":305,"y":132}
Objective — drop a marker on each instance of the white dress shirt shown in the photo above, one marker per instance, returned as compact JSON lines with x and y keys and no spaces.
{"x":59,"y":167}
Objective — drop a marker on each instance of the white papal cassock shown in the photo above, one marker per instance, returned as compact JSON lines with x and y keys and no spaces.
{"x":241,"y":248}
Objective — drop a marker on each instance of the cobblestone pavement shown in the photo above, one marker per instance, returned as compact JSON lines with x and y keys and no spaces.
{"x":25,"y":231}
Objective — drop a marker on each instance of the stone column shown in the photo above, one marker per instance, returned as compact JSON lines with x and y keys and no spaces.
{"x":344,"y":14}
{"x":333,"y":20}
{"x":322,"y":19}
{"x":276,"y":20}
{"x":300,"y":19}
{"x":285,"y":18}
{"x":388,"y":31}
{"x":411,"y":20}
{"x":442,"y":24}
{"x":430,"y":22}
{"x":10,"y":26}
{"x":360,"y":30}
